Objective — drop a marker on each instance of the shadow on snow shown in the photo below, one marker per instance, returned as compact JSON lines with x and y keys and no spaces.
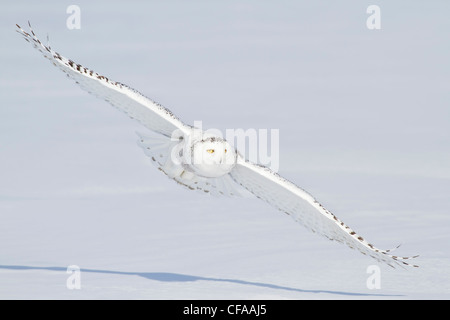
{"x":178,"y":277}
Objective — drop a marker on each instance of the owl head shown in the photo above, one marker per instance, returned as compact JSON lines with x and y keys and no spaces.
{"x":212,"y":157}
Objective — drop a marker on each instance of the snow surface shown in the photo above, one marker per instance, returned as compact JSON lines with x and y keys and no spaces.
{"x":364,"y":124}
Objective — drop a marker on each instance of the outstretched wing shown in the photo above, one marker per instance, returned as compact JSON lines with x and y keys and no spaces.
{"x":299,"y":204}
{"x":152,"y":115}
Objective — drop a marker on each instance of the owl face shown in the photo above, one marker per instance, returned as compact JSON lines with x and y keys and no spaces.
{"x":212,"y":157}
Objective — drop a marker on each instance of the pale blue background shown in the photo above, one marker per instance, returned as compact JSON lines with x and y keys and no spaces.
{"x":364,"y":122}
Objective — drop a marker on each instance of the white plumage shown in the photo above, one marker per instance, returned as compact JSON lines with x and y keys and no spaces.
{"x":210,"y":164}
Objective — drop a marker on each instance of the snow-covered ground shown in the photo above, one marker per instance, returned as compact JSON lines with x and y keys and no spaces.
{"x":364,"y":122}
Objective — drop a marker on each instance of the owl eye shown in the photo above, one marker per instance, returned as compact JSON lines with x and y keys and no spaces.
{"x":210,"y":150}
{"x":225,"y":150}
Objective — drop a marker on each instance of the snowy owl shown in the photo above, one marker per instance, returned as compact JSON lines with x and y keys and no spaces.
{"x":208,"y":163}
